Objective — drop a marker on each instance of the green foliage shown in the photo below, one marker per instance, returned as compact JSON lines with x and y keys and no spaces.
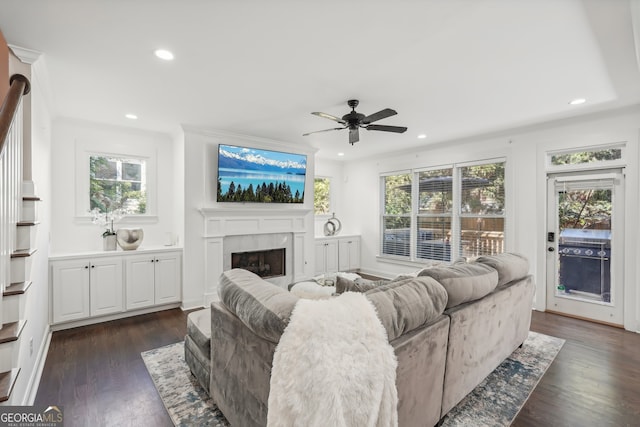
{"x":586,"y":157}
{"x":107,"y":191}
{"x":280,"y":192}
{"x":484,"y":199}
{"x":321,"y":195}
{"x":584,"y":209}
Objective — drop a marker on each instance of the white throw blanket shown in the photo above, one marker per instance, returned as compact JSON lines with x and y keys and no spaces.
{"x":334,"y":366}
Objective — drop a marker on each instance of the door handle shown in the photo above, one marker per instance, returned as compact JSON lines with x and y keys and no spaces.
{"x":551,"y":249}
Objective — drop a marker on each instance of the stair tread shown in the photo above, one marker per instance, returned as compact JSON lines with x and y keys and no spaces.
{"x":11,"y":331}
{"x":31,"y":198}
{"x":27,"y":223}
{"x":17,"y":288}
{"x":7,"y":381}
{"x":23,"y":253}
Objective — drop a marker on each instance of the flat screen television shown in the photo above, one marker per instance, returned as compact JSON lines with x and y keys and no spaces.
{"x":260,"y":176}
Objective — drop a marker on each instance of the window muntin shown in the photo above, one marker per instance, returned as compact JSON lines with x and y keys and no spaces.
{"x":117,"y":183}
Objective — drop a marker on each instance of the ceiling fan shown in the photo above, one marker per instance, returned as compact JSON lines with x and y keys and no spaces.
{"x":354,"y":121}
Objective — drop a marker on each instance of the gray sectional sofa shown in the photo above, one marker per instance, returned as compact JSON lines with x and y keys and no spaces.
{"x":450,"y":326}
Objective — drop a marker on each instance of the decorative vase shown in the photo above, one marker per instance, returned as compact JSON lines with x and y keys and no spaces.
{"x":129,"y":238}
{"x":109,"y":242}
{"x":333,"y":226}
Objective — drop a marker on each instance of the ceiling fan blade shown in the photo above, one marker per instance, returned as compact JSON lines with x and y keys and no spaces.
{"x":318,"y":131}
{"x":396,"y":129}
{"x":329,"y":116}
{"x":382,"y":114}
{"x":354,"y":136}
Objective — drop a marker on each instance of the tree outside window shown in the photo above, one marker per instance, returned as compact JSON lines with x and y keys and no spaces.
{"x":322,"y":196}
{"x":117,"y":183}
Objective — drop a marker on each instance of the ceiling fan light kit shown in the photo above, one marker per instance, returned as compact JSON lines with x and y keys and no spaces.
{"x":354,"y":121}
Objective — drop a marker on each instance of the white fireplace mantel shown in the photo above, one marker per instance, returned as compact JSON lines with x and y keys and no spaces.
{"x":233,"y":222}
{"x":221,"y":223}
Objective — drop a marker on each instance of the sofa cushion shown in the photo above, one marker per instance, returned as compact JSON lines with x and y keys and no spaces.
{"x":464,"y":282}
{"x":358,"y":285}
{"x":262,"y":306}
{"x":407,"y":304}
{"x":199,"y":329}
{"x":510,"y":266}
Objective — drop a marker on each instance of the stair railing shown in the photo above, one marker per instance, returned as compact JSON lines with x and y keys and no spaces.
{"x":11,"y":142}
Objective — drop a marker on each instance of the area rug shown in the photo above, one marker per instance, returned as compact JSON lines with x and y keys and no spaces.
{"x":495,"y":402}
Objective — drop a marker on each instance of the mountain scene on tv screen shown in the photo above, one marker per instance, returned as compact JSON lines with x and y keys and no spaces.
{"x":262,"y":176}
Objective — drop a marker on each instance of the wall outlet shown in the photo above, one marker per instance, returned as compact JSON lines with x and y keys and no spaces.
{"x":31,"y":346}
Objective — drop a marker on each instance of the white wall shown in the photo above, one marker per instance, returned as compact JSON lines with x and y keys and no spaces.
{"x":526,"y":180}
{"x":200,"y":180}
{"x":72,"y":233}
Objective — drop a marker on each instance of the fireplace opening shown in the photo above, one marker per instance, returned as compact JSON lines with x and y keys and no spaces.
{"x":267,"y":263}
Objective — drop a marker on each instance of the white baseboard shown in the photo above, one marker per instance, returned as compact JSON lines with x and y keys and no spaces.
{"x":36,"y":375}
{"x":191,"y":304}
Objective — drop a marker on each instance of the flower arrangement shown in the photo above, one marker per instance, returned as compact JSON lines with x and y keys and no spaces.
{"x":107,"y":218}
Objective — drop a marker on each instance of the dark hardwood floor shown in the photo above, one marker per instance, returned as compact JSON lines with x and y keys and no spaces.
{"x":97,"y":374}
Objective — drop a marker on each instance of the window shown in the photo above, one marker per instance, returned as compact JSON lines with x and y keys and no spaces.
{"x":396,"y":219}
{"x":444,"y":213}
{"x":117,"y":183}
{"x":322,"y":196}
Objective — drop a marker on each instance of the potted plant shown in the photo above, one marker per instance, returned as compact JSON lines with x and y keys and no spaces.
{"x":108,"y":218}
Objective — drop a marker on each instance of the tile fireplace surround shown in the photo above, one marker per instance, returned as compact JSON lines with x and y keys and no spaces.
{"x":234,"y":230}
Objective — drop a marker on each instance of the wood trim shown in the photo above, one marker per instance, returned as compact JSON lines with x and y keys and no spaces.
{"x":27,"y":223}
{"x":19,"y":86}
{"x":11,"y":331}
{"x":23,"y":253}
{"x":17,"y":288}
{"x":615,"y":325}
{"x":7,"y":381}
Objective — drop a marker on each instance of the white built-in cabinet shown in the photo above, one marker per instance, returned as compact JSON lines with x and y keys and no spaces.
{"x":94,"y":285}
{"x":337,"y":254}
{"x":152,"y":279}
{"x":83,"y":288}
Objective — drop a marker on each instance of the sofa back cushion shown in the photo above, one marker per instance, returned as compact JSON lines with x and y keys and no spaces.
{"x":464,"y":282}
{"x":510,"y":266}
{"x":407,"y":304}
{"x":262,"y":306}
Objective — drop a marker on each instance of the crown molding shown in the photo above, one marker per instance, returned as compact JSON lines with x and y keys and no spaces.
{"x":28,"y":56}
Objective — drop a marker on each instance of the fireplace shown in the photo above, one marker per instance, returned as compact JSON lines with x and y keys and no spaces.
{"x":268,"y":255}
{"x":265,"y":263}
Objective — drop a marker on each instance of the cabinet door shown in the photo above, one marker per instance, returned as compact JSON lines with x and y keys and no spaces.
{"x":106,"y":286}
{"x":70,"y":290}
{"x":349,"y":252}
{"x":331,"y":254}
{"x":320,"y":263}
{"x":168,"y":277}
{"x":139,"y":272}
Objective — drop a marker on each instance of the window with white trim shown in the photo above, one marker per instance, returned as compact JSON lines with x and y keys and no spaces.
{"x":440,"y":214}
{"x":117,"y":183}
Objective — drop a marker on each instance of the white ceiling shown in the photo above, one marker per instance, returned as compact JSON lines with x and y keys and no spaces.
{"x":450,"y":68}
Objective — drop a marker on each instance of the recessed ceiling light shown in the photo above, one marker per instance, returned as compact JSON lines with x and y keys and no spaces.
{"x":340,"y":154}
{"x":577,"y":101}
{"x":422,"y":136}
{"x":164,"y":54}
{"x":131,"y":116}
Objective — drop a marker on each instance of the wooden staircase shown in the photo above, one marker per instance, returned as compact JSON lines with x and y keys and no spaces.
{"x":18,"y":225}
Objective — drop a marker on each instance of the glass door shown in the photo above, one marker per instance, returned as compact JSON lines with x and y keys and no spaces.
{"x":584,"y":257}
